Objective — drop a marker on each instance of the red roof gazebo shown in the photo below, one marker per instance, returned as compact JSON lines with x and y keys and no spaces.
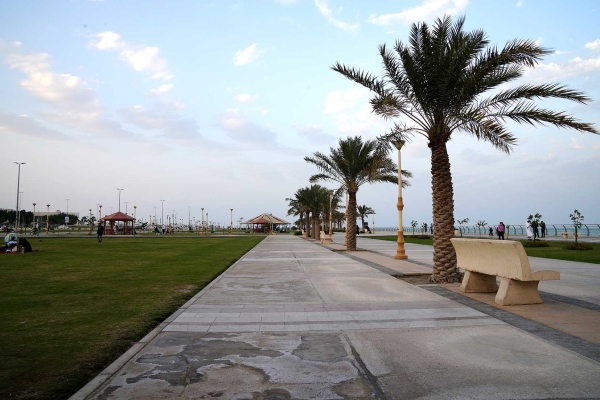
{"x":118,"y":217}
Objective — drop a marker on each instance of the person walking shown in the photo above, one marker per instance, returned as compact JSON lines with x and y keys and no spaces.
{"x":100,"y":232}
{"x":500,"y":230}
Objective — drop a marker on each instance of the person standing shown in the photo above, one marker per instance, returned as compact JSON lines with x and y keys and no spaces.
{"x":529,"y":231}
{"x":500,"y":231}
{"x":100,"y":232}
{"x":543,"y":226}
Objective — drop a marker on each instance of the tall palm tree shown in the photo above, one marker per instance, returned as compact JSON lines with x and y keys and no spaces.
{"x":362,"y":212}
{"x":315,"y":198}
{"x":437,"y":82}
{"x":353,"y":164}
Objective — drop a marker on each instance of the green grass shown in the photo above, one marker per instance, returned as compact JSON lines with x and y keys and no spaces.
{"x":72,"y":308}
{"x":555,"y":250}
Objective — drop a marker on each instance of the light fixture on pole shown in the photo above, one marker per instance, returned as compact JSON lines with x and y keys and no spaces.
{"x":231,"y":221}
{"x":100,"y":215}
{"x":189,"y":216}
{"x":400,"y":252}
{"x":346,"y":235}
{"x":20,"y":203}
{"x":47,"y":220}
{"x":120,"y":190}
{"x":34,"y":223}
{"x":162,"y":211}
{"x":67,"y":206}
{"x":202,"y":227}
{"x":373,"y":216}
{"x":126,"y":208}
{"x":18,"y":184}
{"x":90,"y":222}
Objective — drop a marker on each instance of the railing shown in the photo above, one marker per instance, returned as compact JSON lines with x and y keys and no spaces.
{"x":591,"y":230}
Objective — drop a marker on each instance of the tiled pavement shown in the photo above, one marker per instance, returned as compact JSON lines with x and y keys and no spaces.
{"x":292,"y":319}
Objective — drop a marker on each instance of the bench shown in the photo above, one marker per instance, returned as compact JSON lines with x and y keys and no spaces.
{"x":484,"y":260}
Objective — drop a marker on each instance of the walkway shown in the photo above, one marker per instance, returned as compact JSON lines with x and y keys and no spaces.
{"x":292,"y":319}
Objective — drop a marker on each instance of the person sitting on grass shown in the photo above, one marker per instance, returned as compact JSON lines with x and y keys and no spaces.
{"x":10,"y":241}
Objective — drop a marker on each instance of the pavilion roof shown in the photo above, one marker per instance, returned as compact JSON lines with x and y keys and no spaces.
{"x":118,"y":216}
{"x":265,"y":219}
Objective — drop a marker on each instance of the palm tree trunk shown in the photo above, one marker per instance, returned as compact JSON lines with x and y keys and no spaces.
{"x":362,"y":218}
{"x":316,"y":225}
{"x":444,"y":256}
{"x":351,"y":228}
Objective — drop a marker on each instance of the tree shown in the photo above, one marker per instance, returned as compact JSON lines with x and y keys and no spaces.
{"x":481,"y":224}
{"x":353,"y":164}
{"x":362,"y":212}
{"x":414,"y":224}
{"x":577,"y":219}
{"x":437,"y":82}
{"x":534,"y":220}
{"x":461,"y":222}
{"x":424,"y":227}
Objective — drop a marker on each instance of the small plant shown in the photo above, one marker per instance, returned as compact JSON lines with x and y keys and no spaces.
{"x":461,"y":222}
{"x":577,"y":219}
{"x":507,"y":230}
{"x":578,"y":246}
{"x":535,"y":243}
{"x":414,"y":224}
{"x":481,"y":224}
{"x":534,"y":220}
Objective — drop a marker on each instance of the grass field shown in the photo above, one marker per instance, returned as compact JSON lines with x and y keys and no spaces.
{"x":72,"y":308}
{"x":555,"y":250}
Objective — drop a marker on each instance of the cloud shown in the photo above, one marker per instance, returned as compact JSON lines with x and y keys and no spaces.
{"x":519,"y":4}
{"x":245,"y":97}
{"x":314,"y":134}
{"x":246,"y":56}
{"x":27,"y":126}
{"x":596,"y":146}
{"x":558,"y":71}
{"x":342,"y":100}
{"x":595,"y":45}
{"x":141,"y":58}
{"x":427,"y":11}
{"x":327,"y":13}
{"x":74,"y":104}
{"x":162,"y":89}
{"x":287,"y":2}
{"x":241,"y":130}
{"x":576,"y":144}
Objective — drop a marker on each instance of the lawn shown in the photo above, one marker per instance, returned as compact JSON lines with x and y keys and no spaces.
{"x":72,"y":308}
{"x":555,"y":250}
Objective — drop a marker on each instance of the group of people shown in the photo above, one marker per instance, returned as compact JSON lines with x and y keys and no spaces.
{"x":11,"y":241}
{"x":533,"y":229}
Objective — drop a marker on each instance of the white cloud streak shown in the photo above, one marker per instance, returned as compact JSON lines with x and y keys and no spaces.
{"x":595,"y":45}
{"x":427,"y":11}
{"x":245,"y":97}
{"x":247,"y":55}
{"x":327,"y":13}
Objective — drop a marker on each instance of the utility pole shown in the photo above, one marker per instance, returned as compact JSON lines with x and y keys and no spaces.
{"x":126,"y":207}
{"x":162,"y":211}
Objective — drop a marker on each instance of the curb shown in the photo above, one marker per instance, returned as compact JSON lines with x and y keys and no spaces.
{"x":99,"y":380}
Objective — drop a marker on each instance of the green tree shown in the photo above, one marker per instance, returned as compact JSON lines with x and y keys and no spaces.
{"x":461,"y":222}
{"x":577,"y":220}
{"x":413,"y":224}
{"x":437,"y":82}
{"x":363,"y":211}
{"x":481,"y":224}
{"x":353,"y":164}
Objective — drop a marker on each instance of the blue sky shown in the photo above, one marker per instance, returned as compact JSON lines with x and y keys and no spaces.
{"x":215,"y":104}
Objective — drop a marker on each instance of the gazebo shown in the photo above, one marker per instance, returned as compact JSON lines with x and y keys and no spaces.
{"x":265,"y":223}
{"x":118,"y":217}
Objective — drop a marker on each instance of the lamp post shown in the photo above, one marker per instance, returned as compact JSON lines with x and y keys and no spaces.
{"x":47,"y":220}
{"x":202,"y":227}
{"x":154,"y":216}
{"x":134,"y":217}
{"x":33,"y":226}
{"x":231,"y":222}
{"x":20,"y":203}
{"x":400,"y":252}
{"x":346,"y":235}
{"x":120,"y":198}
{"x":18,"y":184}
{"x":67,"y":206}
{"x":90,"y":222}
{"x":329,"y":239}
{"x":100,"y":215}
{"x":373,"y":223}
{"x":207,"y":222}
{"x":162,"y":211}
{"x":126,"y":208}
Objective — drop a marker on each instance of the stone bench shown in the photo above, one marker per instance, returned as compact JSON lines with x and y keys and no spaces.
{"x":484,"y":260}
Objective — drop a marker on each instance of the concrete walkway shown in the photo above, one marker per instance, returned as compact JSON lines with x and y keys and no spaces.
{"x":292,"y":319}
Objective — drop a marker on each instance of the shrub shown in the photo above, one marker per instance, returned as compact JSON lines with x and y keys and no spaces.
{"x":297,"y":233}
{"x":535,"y":243}
{"x":578,"y":246}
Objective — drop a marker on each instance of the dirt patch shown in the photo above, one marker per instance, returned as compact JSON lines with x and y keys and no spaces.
{"x":186,"y":288}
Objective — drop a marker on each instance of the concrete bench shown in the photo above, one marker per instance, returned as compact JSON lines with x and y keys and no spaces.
{"x":484,"y":260}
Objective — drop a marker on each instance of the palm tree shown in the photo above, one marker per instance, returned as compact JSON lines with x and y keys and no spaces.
{"x":351,"y":165}
{"x":314,"y":199}
{"x":362,"y":212}
{"x":437,"y":82}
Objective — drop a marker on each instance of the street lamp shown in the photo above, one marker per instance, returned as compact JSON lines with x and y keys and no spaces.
{"x":154,"y":216}
{"x":231,"y":221}
{"x":373,"y":215}
{"x":18,"y":184}
{"x":189,"y":217}
{"x":20,"y":203}
{"x":100,"y":215}
{"x":126,"y":207}
{"x":202,"y":227}
{"x":90,"y":222}
{"x":162,"y":211}
{"x":120,"y":198}
{"x":34,"y":215}
{"x":346,"y":235}
{"x":48,"y":221}
{"x":400,"y":252}
{"x":67,"y":216}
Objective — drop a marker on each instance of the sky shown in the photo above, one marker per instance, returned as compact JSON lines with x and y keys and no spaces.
{"x":215,"y":104}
